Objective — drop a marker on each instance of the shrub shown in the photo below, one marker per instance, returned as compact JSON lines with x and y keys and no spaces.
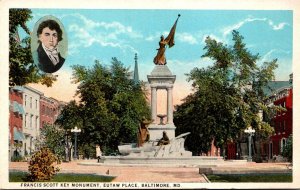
{"x":288,"y":149}
{"x":88,"y":151}
{"x":17,"y":158}
{"x":257,"y":158}
{"x":42,"y":165}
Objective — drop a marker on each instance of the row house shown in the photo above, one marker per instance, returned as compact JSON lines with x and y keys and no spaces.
{"x":29,"y":110}
{"x":279,"y":93}
{"x":16,"y":112}
{"x":49,"y":110}
{"x":282,"y":121}
{"x":31,"y":118}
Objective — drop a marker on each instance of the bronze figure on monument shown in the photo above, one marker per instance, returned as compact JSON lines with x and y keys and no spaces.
{"x":143,"y":132}
{"x":160,"y":58}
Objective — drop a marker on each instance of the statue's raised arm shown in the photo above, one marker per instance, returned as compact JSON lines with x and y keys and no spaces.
{"x":160,"y":58}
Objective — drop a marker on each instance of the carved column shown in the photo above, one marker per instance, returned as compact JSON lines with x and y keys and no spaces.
{"x":170,"y":105}
{"x":153,"y":103}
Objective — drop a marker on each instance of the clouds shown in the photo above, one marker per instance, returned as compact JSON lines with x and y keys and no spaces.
{"x":227,"y":30}
{"x":221,"y":34}
{"x":113,"y":27}
{"x":267,"y":56}
{"x":272,"y":54}
{"x":87,"y":32}
{"x":279,"y":26}
{"x":187,"y":38}
{"x":184,"y":37}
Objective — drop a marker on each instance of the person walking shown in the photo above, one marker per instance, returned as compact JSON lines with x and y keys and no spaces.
{"x":98,"y":152}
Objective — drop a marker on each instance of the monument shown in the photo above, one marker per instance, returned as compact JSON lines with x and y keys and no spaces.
{"x":156,"y":138}
{"x":161,"y":78}
{"x":157,"y":143}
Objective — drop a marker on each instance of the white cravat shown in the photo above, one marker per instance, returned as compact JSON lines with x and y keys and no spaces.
{"x":52,"y":54}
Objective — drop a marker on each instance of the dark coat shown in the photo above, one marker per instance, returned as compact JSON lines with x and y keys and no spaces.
{"x":44,"y":62}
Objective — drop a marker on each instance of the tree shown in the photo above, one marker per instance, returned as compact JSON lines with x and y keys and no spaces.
{"x":69,"y":118}
{"x":22,"y":70}
{"x":209,"y":113}
{"x":111,"y":106}
{"x":228,"y":96}
{"x":66,"y":117}
{"x":52,"y":137}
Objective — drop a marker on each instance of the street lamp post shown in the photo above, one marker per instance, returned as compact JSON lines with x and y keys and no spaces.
{"x":75,"y":131}
{"x":251,"y":132}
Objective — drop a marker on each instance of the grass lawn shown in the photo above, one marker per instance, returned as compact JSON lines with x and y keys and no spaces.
{"x":17,"y":176}
{"x":251,"y":178}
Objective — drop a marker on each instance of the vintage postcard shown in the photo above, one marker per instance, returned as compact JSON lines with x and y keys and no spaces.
{"x":149,"y":94}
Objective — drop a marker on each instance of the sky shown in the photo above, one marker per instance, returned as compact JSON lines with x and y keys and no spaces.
{"x":97,"y":34}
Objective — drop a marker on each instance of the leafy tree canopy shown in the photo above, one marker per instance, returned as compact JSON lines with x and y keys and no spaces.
{"x":228,"y":96}
{"x":111,"y":105}
{"x":67,"y":117}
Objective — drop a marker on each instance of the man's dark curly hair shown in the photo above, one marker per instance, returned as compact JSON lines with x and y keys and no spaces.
{"x":52,"y":25}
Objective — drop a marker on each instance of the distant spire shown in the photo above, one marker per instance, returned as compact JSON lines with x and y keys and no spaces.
{"x":291,"y":78}
{"x":136,"y":70}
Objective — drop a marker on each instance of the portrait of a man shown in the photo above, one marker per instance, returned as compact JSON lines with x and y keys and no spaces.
{"x":47,"y":55}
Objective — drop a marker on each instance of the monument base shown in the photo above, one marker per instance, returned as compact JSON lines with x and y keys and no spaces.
{"x":156,"y":131}
{"x":151,"y":148}
{"x":171,"y":161}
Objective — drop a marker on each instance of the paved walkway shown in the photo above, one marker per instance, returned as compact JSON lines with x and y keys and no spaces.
{"x":251,"y":167}
{"x":127,"y":173}
{"x":160,"y":173}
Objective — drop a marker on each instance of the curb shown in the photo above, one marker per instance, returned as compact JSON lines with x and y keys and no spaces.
{"x":206,"y":179}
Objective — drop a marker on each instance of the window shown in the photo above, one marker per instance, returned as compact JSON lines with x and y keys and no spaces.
{"x":36,"y":122}
{"x":36,"y":104}
{"x":282,"y":144}
{"x":43,"y":109}
{"x":25,"y":120}
{"x":280,"y":129}
{"x":30,"y":102}
{"x":25,"y":100}
{"x":283,"y":126}
{"x":31,"y":116}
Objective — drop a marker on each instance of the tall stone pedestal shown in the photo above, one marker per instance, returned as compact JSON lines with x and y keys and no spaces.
{"x":156,"y":131}
{"x":161,"y":78}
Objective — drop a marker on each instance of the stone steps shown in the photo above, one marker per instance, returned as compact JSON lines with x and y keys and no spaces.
{"x":247,"y":168}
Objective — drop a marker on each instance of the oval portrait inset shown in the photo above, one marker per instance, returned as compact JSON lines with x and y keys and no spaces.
{"x":49,"y":44}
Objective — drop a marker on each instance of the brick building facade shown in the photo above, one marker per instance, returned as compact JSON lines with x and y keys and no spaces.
{"x":29,"y":110}
{"x":49,"y":110}
{"x":282,"y":121}
{"x":16,"y":112}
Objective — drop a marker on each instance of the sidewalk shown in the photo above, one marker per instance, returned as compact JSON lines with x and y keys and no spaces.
{"x":142,"y":173}
{"x":248,"y":168}
{"x":127,"y":173}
